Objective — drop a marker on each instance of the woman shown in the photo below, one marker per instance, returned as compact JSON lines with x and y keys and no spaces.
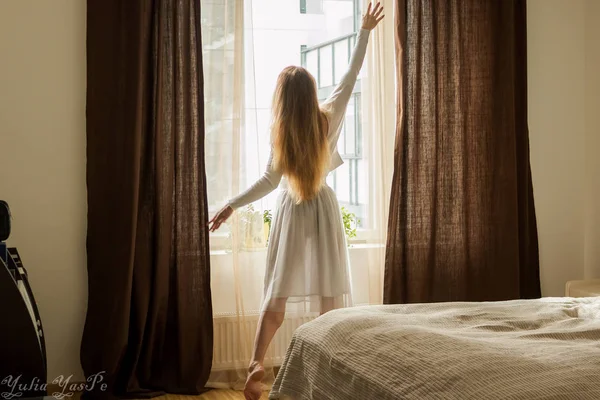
{"x":307,"y":257}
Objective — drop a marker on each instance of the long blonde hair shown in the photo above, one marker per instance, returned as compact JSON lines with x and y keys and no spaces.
{"x":299,"y":133}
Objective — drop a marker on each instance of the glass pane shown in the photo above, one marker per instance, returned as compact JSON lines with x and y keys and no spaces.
{"x":312,"y":64}
{"x":330,"y":180}
{"x":350,"y":125}
{"x":341,"y":141}
{"x":254,"y":145}
{"x":363,"y":192}
{"x":359,"y":135}
{"x":341,"y":59}
{"x":326,"y":66}
{"x":358,"y":15}
{"x":353,"y":194}
{"x":343,"y":183}
{"x":218,"y":60}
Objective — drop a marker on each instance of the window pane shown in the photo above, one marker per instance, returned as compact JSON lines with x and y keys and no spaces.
{"x":363,"y":192}
{"x":312,"y":64}
{"x":341,"y":141}
{"x":218,"y":96}
{"x":358,"y":15}
{"x":341,"y":59}
{"x":330,"y":180}
{"x":350,"y":129}
{"x":353,"y":180}
{"x":343,"y":183}
{"x":303,"y":55}
{"x":359,"y":135}
{"x":325,"y":66}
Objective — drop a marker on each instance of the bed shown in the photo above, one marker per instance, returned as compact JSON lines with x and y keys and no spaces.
{"x":523,"y":349}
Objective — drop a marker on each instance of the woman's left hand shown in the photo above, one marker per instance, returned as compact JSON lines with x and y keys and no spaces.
{"x":372,"y":17}
{"x":219,"y":218}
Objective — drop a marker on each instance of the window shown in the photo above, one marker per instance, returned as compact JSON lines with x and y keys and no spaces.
{"x":318,"y":34}
{"x":328,"y":62}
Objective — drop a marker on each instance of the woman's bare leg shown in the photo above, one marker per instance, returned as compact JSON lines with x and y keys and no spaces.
{"x":268,"y":324}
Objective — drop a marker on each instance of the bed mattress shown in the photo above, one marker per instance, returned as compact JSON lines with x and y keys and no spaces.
{"x":526,"y":349}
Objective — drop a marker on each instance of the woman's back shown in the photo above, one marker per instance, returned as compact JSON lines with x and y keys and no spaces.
{"x":300,"y":146}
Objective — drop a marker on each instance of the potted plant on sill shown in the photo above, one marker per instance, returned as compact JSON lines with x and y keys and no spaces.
{"x":251,"y":229}
{"x":267,"y":219}
{"x":350,"y":224}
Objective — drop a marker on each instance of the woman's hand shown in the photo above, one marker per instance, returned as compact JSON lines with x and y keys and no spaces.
{"x":372,"y":16}
{"x":219,"y":218}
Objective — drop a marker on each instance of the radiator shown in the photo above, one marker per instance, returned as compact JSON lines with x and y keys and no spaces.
{"x":234,"y":340}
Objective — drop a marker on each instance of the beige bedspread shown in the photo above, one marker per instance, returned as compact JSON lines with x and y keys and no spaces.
{"x":528,"y":349}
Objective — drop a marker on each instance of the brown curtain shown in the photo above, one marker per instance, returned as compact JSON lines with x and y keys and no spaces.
{"x":462,"y":223}
{"x":149,"y":315}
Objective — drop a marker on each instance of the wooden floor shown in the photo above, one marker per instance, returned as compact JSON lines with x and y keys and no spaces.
{"x":216,"y":394}
{"x":212,"y":395}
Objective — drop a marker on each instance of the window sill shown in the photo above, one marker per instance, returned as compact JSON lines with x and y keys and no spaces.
{"x":365,"y":239}
{"x":352,"y":248}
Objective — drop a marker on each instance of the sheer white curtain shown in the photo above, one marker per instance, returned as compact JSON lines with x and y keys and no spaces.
{"x":232,"y":133}
{"x":239,"y":45}
{"x":379,"y":110}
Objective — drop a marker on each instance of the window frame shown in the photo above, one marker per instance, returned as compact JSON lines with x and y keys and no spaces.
{"x":219,"y":240}
{"x":363,"y":235}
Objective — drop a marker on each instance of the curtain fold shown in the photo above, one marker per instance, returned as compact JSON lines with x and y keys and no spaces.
{"x":148,"y":327}
{"x":462,"y":219}
{"x":378,"y":121}
{"x":238,"y":257}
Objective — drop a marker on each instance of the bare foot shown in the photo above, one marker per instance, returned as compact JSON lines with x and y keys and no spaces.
{"x":253,"y":388}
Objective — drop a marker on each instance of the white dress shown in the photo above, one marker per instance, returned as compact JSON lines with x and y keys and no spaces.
{"x":307,"y":255}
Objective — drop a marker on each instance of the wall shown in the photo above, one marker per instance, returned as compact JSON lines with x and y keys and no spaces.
{"x":556,"y":79}
{"x":592,"y":139}
{"x":564,"y":123}
{"x":42,"y":162}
